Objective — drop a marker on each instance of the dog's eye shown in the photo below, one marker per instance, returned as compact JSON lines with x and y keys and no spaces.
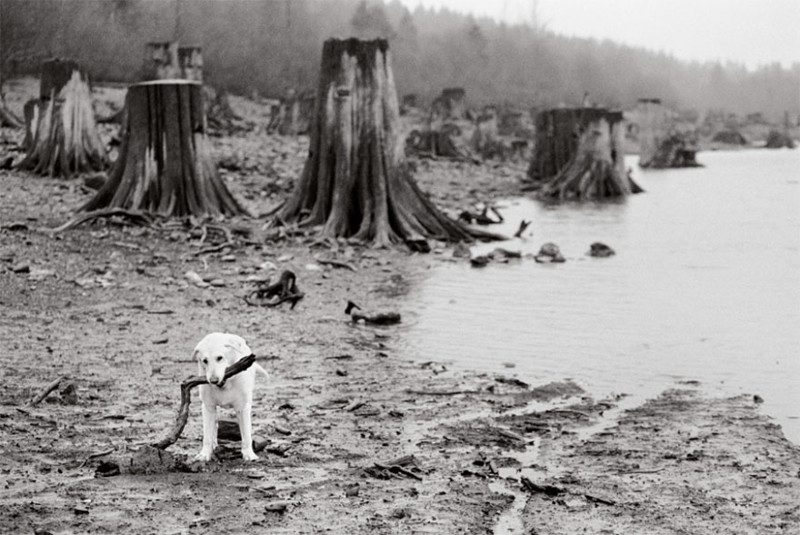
{"x":219,"y":359}
{"x":205,"y":361}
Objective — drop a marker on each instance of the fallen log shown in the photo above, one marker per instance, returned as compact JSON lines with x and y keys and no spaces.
{"x":378,"y":318}
{"x":274,"y":294}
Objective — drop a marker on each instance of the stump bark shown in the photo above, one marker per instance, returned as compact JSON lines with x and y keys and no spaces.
{"x":591,"y":151}
{"x":294,"y":114}
{"x":451,"y":104}
{"x":61,"y":135}
{"x":169,"y":61}
{"x":661,"y":145}
{"x":164,"y":164}
{"x":356,"y":183}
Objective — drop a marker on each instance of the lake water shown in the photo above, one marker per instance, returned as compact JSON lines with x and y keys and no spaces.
{"x":705,"y":286}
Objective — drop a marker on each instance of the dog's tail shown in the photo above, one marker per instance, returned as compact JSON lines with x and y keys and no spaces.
{"x":258,"y":368}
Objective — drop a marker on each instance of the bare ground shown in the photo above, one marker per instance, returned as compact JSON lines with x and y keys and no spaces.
{"x":360,"y":439}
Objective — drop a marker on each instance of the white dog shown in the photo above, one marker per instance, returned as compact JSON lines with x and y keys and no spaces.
{"x":215,"y":353}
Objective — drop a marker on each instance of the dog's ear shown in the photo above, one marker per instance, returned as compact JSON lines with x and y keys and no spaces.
{"x":238,"y":346}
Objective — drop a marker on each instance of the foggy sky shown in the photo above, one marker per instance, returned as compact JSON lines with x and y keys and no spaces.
{"x":753,"y":32}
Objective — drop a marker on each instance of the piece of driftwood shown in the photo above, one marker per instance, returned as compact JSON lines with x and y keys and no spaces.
{"x":138,"y":218}
{"x":377,"y":318}
{"x":273,"y":295}
{"x":186,"y":398}
{"x":337,"y":264}
{"x":523,"y":226}
{"x":46,"y":391}
{"x":553,"y":491}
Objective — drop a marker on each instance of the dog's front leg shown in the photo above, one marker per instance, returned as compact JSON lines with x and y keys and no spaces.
{"x":209,"y":433}
{"x":246,"y":429}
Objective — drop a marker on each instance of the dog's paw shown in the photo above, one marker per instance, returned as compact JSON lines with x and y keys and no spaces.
{"x":249,"y":456}
{"x":204,"y":456}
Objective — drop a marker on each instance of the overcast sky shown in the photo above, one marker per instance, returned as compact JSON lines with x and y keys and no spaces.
{"x":753,"y":32}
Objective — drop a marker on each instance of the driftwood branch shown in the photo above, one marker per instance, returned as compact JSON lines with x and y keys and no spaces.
{"x":186,"y":398}
{"x":337,"y":264}
{"x":273,"y":295}
{"x":139,"y":218}
{"x":47,"y":390}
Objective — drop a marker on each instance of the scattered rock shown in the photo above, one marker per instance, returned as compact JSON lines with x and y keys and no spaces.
{"x":69,"y":394}
{"x":461,"y":250}
{"x":107,"y":469}
{"x":549,"y":253}
{"x":600,"y":250}
{"x":36,"y":274}
{"x":22,"y":267}
{"x":196,"y":279}
{"x":95,"y":181}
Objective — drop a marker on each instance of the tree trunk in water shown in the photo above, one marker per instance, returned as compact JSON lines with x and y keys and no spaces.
{"x":596,"y":168}
{"x":164,"y":164}
{"x":356,"y":183}
{"x":660,"y":144}
{"x":61,"y":134}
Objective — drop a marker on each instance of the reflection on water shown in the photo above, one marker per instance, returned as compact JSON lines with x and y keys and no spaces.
{"x":705,"y":286}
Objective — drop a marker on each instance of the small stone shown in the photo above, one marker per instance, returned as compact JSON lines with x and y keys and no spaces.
{"x":228,"y":258}
{"x":217,"y":283}
{"x":195,"y":279}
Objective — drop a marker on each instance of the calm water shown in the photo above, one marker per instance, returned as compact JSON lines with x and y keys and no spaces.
{"x":705,"y":286}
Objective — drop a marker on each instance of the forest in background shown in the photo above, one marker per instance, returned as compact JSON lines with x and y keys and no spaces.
{"x":270,"y":46}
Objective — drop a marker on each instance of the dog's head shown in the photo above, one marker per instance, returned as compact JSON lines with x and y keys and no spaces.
{"x":216,"y":352}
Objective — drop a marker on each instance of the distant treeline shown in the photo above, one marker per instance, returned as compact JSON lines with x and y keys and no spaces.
{"x":272,"y":45}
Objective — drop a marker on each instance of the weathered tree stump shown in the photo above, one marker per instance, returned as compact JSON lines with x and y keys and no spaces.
{"x":190,"y":62}
{"x":30,"y":112}
{"x":294,"y":114}
{"x":585,"y":147}
{"x":451,"y":104}
{"x":169,"y":61}
{"x":61,"y":134}
{"x":674,"y":150}
{"x":779,"y":140}
{"x":161,"y":61}
{"x":660,"y":144}
{"x":55,"y":74}
{"x":356,"y":183}
{"x":164,"y":164}
{"x":8,"y":118}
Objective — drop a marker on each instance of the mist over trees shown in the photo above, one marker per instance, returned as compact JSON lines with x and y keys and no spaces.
{"x":273,"y":45}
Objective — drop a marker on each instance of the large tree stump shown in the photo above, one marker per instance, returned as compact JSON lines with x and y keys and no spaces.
{"x":61,"y":135}
{"x":356,"y":183}
{"x":451,"y":104}
{"x":661,"y":145}
{"x":169,"y":61}
{"x":161,"y":61}
{"x":164,"y":164}
{"x":596,"y":167}
{"x":190,"y":63}
{"x":294,"y":114}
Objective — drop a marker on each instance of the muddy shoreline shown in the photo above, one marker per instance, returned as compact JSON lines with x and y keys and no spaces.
{"x":359,"y":439}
